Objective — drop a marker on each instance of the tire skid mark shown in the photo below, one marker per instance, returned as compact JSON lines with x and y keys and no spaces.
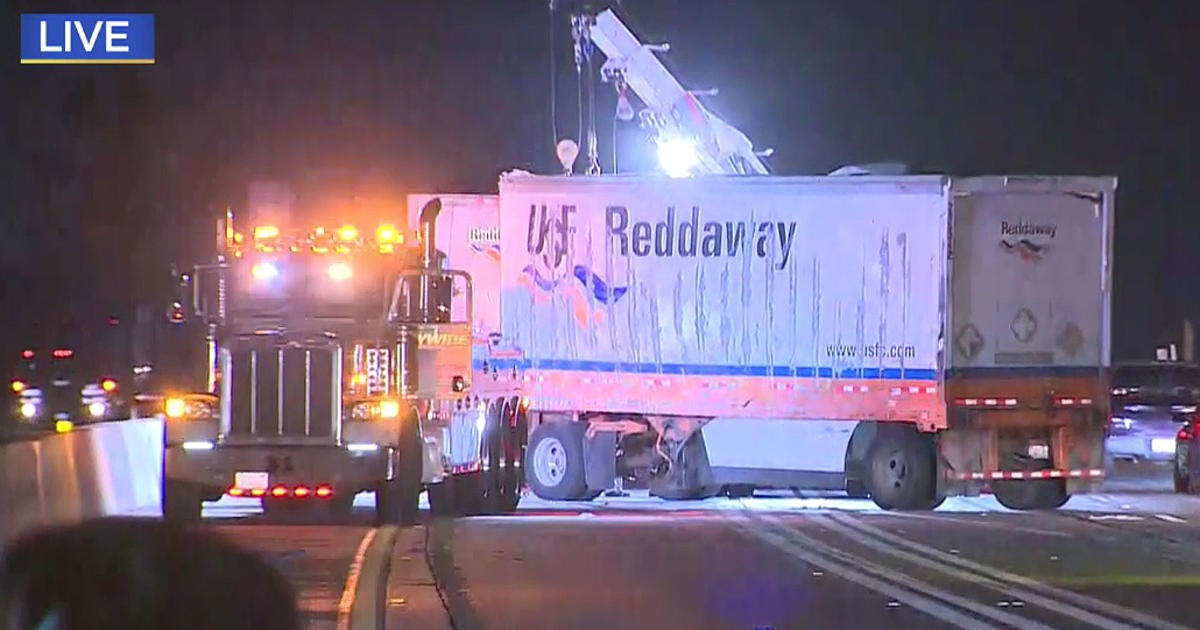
{"x":1169,"y":547}
{"x":1077,"y":606}
{"x":931,"y":600}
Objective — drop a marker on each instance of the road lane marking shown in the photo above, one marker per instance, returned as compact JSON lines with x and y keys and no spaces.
{"x":346,"y":604}
{"x":944,"y":560}
{"x":1170,"y":518}
{"x":899,"y":587}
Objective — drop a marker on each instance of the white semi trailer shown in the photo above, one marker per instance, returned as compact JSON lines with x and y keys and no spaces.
{"x":902,"y":337}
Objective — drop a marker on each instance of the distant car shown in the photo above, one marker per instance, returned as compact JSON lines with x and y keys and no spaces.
{"x":1151,"y":402}
{"x":51,"y":386}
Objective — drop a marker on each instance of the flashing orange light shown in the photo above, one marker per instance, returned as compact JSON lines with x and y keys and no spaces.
{"x":27,"y":354}
{"x":387,"y":234}
{"x":348,"y":233}
{"x":279,"y":491}
{"x":108,"y":385}
{"x":324,"y":491}
{"x":62,"y":353}
{"x":236,"y":492}
{"x":301,"y":491}
{"x":18,"y":387}
{"x":265,"y":232}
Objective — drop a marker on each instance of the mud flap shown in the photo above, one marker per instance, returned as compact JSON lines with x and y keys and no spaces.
{"x":600,"y":460}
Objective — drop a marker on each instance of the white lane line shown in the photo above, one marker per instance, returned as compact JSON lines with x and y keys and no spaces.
{"x":1170,"y":518}
{"x":346,"y":604}
{"x":1063,"y":596}
{"x":898,"y":586}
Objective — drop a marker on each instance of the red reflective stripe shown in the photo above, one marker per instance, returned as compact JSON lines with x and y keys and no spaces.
{"x":1090,"y":473}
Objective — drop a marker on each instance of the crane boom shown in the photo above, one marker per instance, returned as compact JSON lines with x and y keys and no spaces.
{"x":676,"y":112}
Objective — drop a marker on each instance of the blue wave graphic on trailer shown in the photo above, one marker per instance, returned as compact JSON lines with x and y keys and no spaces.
{"x":600,"y":289}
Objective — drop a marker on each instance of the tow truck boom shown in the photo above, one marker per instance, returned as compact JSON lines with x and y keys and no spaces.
{"x":672,"y":110}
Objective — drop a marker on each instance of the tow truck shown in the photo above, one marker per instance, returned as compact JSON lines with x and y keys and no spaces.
{"x":334,"y":357}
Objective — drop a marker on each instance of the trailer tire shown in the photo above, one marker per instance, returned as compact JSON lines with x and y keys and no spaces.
{"x":900,"y":471}
{"x":554,"y":465}
{"x":181,"y":501}
{"x":1042,"y":494}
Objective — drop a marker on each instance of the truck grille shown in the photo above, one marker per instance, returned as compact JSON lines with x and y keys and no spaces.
{"x":284,"y":392}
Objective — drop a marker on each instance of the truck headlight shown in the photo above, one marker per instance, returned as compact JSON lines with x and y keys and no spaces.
{"x":377,"y":409}
{"x":192,"y":408}
{"x":28,"y":410}
{"x":97,"y":409}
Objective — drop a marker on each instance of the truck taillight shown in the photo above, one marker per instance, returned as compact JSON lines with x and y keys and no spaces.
{"x":986,"y":402}
{"x":1185,"y":433}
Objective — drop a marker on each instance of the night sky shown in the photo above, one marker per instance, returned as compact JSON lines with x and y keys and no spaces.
{"x":110,"y":172}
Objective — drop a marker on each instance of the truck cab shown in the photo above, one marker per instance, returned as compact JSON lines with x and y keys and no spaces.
{"x":322,"y":373}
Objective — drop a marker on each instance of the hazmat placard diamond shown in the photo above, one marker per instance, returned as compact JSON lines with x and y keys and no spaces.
{"x":968,"y":341}
{"x":1071,"y":339}
{"x":1024,"y":325}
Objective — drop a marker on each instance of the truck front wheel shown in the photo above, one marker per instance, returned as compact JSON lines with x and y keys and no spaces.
{"x":181,"y":501}
{"x":398,"y":500}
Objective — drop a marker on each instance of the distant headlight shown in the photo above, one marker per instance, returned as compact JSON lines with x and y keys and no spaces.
{"x":97,"y":409}
{"x":194,"y":408}
{"x":28,"y":410}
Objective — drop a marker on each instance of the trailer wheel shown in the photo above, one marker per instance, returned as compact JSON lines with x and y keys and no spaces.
{"x":1042,"y":494}
{"x":900,"y":471}
{"x":181,"y":501}
{"x":554,"y":465}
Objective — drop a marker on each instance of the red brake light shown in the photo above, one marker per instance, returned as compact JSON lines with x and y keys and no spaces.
{"x":1185,"y":433}
{"x":27,"y":354}
{"x":63,"y":353}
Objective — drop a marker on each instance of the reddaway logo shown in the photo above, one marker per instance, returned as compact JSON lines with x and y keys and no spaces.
{"x":1016,"y":239}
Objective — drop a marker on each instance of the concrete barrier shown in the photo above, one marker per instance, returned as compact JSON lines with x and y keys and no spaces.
{"x":97,"y":470}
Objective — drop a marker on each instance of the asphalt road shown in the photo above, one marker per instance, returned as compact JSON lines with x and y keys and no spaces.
{"x":1118,"y":560}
